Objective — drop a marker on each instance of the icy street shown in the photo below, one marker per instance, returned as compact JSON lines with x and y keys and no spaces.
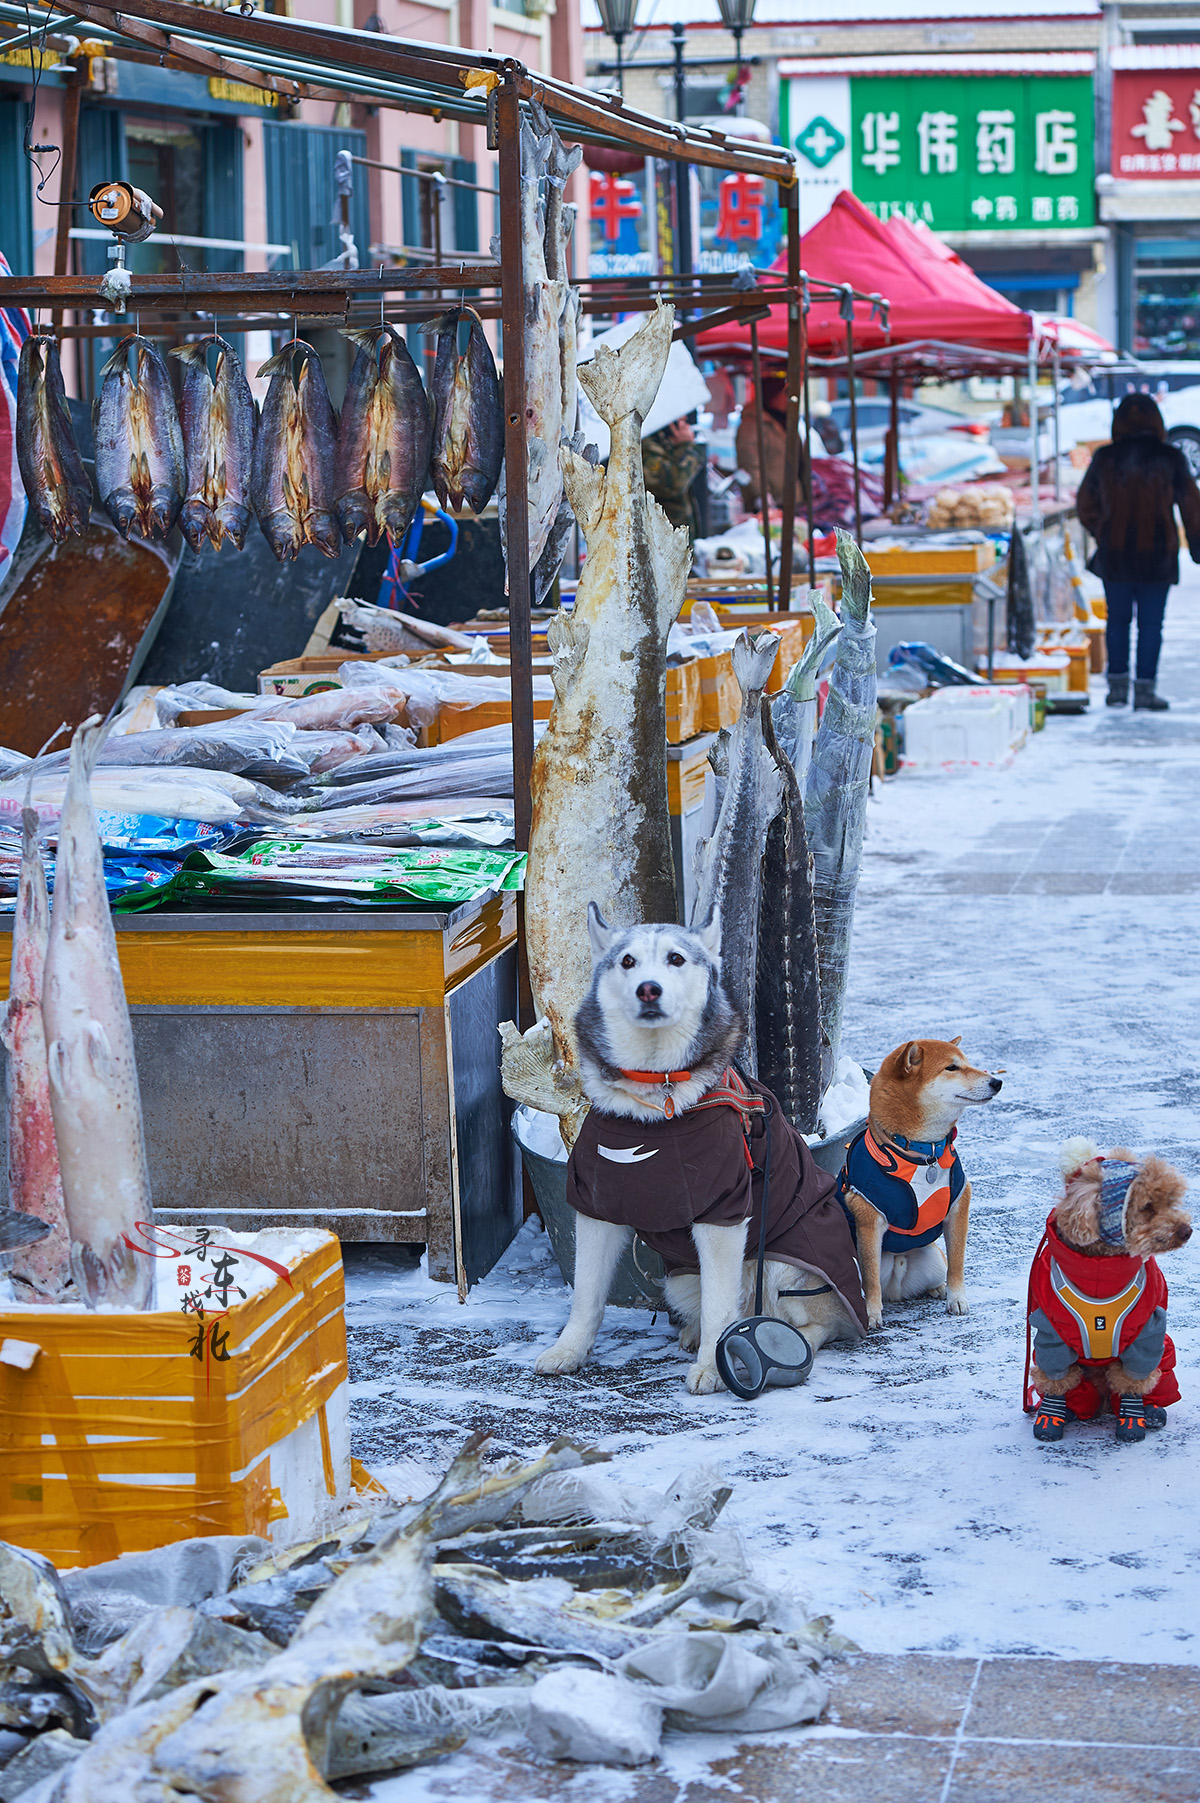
{"x":1048,"y":913}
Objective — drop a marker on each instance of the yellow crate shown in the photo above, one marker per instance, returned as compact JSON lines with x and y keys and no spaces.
{"x":720,"y":697}
{"x":933,"y":560}
{"x":683,"y":703}
{"x":118,"y":1439}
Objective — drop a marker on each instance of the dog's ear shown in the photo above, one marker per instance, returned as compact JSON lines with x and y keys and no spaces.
{"x":599,"y":932}
{"x":709,"y":934}
{"x":912,"y":1055}
{"x":957,"y":1040}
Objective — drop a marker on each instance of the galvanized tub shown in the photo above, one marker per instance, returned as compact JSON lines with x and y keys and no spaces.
{"x":638,"y":1280}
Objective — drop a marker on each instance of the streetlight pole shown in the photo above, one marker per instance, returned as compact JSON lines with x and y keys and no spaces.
{"x":683,"y":171}
{"x":617,"y":17}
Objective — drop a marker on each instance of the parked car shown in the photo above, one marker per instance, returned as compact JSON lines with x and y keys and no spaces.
{"x":916,"y":421}
{"x":1086,"y":409}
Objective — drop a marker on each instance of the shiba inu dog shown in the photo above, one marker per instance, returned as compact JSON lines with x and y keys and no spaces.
{"x":903,"y":1183}
{"x":673,"y":1148}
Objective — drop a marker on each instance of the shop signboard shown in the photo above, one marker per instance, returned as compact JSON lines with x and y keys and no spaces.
{"x":736,"y":220}
{"x":1156,"y":124}
{"x":958,"y":152}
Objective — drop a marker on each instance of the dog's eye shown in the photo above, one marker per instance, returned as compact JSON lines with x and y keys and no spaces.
{"x":628,"y":961}
{"x":952,"y":1067}
{"x":676,"y":958}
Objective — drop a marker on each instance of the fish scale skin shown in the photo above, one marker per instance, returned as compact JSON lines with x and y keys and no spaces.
{"x":94,"y":1093}
{"x":384,"y":440}
{"x":34,"y":1180}
{"x":51,"y":467}
{"x":468,"y":432}
{"x":787,"y":989}
{"x":139,"y":446}
{"x":218,"y":417}
{"x":601,"y":828}
{"x":292,"y":481}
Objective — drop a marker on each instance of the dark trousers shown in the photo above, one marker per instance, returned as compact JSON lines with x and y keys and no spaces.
{"x":1149,"y":600}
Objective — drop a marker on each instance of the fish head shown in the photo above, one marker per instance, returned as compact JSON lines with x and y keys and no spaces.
{"x":922,"y":1087}
{"x":652,"y":988}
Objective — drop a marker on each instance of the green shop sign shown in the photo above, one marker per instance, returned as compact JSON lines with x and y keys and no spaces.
{"x":975,"y":153}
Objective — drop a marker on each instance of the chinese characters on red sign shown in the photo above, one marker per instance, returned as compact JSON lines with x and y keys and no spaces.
{"x":1156,"y":124}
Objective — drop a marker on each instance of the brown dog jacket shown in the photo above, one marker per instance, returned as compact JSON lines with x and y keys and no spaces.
{"x":705,"y":1165}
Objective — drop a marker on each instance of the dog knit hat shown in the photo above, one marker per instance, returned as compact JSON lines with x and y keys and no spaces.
{"x":1116,"y":1180}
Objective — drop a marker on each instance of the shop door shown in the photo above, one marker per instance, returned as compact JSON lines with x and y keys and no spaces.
{"x":16,"y":222}
{"x":302,"y":194}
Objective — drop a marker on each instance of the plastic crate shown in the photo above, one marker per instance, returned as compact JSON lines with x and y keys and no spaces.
{"x":964,"y":728}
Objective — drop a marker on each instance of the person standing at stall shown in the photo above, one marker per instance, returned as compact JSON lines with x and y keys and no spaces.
{"x":671,"y":461}
{"x":1127,"y":501}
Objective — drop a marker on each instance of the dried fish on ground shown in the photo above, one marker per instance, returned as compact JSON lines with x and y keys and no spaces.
{"x":787,"y":993}
{"x":468,"y":429}
{"x":292,"y":483}
{"x":51,"y":467}
{"x":835,"y":794}
{"x":34,"y":1182}
{"x":794,"y":708}
{"x":729,"y":865}
{"x":601,"y":828}
{"x":381,"y":465}
{"x":218,"y":417}
{"x":140,"y":468}
{"x":384,"y":629}
{"x":94,"y":1092}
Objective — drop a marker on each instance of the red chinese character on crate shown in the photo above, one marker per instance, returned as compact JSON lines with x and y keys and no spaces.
{"x":740,"y":210}
{"x":183,"y":1275}
{"x":613,"y":199}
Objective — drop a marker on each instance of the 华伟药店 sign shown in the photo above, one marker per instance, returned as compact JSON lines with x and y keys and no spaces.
{"x":958,"y":152}
{"x":1156,"y":124}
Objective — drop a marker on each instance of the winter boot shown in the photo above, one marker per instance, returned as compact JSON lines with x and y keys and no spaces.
{"x":1051,"y":1417}
{"x":1118,"y":691}
{"x":1153,"y":1416}
{"x":1131,"y":1418}
{"x":1145,"y":698}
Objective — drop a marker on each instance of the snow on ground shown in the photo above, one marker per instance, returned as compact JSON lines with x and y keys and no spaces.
{"x":1048,"y":913}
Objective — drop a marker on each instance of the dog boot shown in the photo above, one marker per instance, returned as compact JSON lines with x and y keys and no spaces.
{"x":1131,"y":1419}
{"x":1118,"y":691}
{"x":1051,"y":1417}
{"x":1144,"y":698}
{"x":1153,"y":1416}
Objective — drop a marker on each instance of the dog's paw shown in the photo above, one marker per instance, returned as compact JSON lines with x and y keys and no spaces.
{"x":956,"y":1303}
{"x":557,"y":1359}
{"x":875,"y":1316}
{"x":702,"y":1380}
{"x":938,"y":1292}
{"x":689,"y":1339}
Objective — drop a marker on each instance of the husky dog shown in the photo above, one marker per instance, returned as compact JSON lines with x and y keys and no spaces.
{"x":656,"y":1032}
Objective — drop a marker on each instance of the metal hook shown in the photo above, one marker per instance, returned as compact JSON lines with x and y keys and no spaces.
{"x":381,"y":294}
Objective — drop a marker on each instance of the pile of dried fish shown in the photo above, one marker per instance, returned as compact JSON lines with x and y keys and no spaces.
{"x":541,"y":1599}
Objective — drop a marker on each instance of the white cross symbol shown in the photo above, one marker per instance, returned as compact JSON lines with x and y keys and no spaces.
{"x":820,"y":142}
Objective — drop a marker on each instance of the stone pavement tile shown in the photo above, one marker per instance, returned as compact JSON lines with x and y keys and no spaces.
{"x":866,"y":1769}
{"x":912,"y":1693}
{"x":1081,"y":1699}
{"x":987,"y":1772}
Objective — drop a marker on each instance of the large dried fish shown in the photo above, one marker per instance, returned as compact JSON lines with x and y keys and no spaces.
{"x":34,"y":1181}
{"x":794,"y":708}
{"x":218,"y":417}
{"x":292,"y":485}
{"x":544,"y":300}
{"x":729,"y":865}
{"x":601,"y":829}
{"x":560,"y":222}
{"x":835,"y":794}
{"x":48,"y":457}
{"x":787,"y":995}
{"x":93,"y":1074}
{"x":140,"y":469}
{"x":383,"y":443}
{"x":468,"y":429}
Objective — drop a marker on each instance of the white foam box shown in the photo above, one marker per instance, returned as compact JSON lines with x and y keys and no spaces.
{"x":965,"y":728}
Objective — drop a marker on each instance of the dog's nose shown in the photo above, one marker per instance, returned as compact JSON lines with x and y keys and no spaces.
{"x":1185,"y":1234}
{"x":649,"y":992}
{"x":995,"y":1084}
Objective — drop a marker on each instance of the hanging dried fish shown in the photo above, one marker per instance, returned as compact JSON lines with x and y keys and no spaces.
{"x":218,"y":416}
{"x":468,"y":431}
{"x":292,"y":484}
{"x":47,"y":455}
{"x":139,"y":446}
{"x":382,"y":462}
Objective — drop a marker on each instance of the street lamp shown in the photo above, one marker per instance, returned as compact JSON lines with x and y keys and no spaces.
{"x":617,"y":17}
{"x":737,"y":16}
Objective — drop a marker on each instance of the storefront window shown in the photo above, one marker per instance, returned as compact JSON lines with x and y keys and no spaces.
{"x":167,"y":162}
{"x":1167,"y":298}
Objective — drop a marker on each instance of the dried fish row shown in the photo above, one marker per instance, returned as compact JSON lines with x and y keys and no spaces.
{"x":48,"y":458}
{"x":140,"y":467}
{"x":381,"y":462}
{"x":218,"y":417}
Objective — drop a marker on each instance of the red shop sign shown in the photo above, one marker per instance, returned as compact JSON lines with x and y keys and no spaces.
{"x":1156,"y":124}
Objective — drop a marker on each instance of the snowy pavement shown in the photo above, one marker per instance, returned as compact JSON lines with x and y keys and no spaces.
{"x":1048,"y":913}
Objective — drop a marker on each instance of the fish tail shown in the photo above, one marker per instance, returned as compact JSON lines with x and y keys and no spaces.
{"x":443,"y":322}
{"x":753,"y":661}
{"x":196,"y":351}
{"x":86,"y":741}
{"x":856,"y":578}
{"x":624,"y":381}
{"x":535,"y":153}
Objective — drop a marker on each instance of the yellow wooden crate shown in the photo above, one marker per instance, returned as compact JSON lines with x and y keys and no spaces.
{"x":118,"y":1438}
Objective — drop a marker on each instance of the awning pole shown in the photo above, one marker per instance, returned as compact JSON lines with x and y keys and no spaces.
{"x":1056,"y":375}
{"x":764,"y":495}
{"x":807,"y":399}
{"x":848,"y":304}
{"x":512,"y":295}
{"x":791,"y":448}
{"x":1035,"y":499}
{"x":891,"y":455}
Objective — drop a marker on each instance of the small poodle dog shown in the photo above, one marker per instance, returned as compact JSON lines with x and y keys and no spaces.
{"x":1097,"y":1299}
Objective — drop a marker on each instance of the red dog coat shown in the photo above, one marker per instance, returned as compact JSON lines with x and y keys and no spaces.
{"x":1098,"y":1307}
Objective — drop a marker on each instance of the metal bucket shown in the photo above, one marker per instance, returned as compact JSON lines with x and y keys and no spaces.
{"x":638,"y":1279}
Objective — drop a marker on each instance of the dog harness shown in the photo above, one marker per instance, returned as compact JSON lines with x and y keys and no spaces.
{"x":912,"y":1183}
{"x":1095,"y":1305}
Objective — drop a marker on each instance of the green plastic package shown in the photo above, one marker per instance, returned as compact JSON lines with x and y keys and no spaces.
{"x":438,"y":876}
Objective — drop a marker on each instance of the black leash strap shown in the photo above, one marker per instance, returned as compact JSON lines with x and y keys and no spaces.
{"x":762,"y":1231}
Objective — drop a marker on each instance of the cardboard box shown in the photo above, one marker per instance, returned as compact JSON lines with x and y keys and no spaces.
{"x":296,"y":676}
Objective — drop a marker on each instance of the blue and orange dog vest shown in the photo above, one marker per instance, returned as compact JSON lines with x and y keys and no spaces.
{"x":912,"y":1183}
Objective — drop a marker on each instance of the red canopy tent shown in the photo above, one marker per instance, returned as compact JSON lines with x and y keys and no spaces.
{"x":931,"y":293}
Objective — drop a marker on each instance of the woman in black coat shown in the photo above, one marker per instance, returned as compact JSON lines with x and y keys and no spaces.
{"x":1127,"y":501}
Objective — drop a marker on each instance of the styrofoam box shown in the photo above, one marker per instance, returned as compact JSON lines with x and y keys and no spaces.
{"x":964,"y":727}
